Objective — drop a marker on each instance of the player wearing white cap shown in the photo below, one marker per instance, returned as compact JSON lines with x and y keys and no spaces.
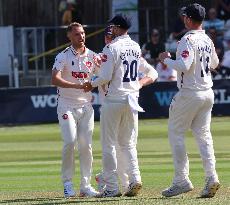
{"x":72,"y":67}
{"x":192,"y":105}
{"x":119,"y":112}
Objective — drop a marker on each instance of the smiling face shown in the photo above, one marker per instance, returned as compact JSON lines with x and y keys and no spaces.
{"x":108,"y":39}
{"x":77,"y":36}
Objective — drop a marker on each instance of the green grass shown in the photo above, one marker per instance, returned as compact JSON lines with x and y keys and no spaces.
{"x":30,"y":165}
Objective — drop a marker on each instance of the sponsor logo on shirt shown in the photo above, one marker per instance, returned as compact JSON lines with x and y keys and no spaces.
{"x":185,"y":54}
{"x":80,"y":75}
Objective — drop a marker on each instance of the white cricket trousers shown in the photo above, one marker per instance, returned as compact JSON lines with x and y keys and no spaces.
{"x":122,"y":169}
{"x":118,"y":126}
{"x":76,"y":129}
{"x":191,"y":109}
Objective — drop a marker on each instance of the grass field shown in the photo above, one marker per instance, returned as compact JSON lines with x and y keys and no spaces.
{"x":30,"y":165}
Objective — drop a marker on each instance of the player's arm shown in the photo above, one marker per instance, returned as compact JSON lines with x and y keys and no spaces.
{"x":184,"y":59}
{"x":58,"y":81}
{"x":106,"y":69}
{"x":145,"y":81}
{"x":150,"y":73}
{"x":56,"y":78}
{"x":214,"y":58}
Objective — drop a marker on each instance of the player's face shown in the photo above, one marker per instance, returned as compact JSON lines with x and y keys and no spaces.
{"x":115,"y":31}
{"x":108,"y":39}
{"x":77,"y":37}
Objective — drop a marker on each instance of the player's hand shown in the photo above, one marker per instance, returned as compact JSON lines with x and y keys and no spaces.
{"x":164,"y":55}
{"x":87,"y":86}
{"x":78,"y":86}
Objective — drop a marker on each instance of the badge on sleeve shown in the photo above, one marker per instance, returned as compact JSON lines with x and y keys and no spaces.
{"x":65,"y":116}
{"x":104,"y":58}
{"x":185,"y":54}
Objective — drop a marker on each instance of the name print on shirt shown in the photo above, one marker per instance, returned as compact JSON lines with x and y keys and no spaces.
{"x":130,"y":52}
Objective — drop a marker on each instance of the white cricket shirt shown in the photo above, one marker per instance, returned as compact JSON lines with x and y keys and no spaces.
{"x":120,"y":66}
{"x":195,"y":57}
{"x":145,"y":68}
{"x":75,"y":68}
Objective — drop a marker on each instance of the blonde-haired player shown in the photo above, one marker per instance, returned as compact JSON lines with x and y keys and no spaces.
{"x":74,"y":66}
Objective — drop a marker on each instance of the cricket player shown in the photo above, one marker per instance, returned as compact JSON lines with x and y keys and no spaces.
{"x":74,"y":66}
{"x":192,"y":105}
{"x":119,"y":112}
{"x":121,"y":166}
{"x":146,"y":70}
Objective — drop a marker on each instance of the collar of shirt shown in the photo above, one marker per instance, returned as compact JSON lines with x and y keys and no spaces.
{"x":77,"y":54}
{"x":195,"y":31}
{"x":121,"y":37}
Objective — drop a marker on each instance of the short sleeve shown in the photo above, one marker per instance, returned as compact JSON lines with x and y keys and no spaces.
{"x":107,"y":65}
{"x":106,"y":69}
{"x":60,"y":62}
{"x":185,"y":52}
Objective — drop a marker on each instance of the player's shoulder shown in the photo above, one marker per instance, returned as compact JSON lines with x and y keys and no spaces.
{"x":90,"y":52}
{"x":113,"y":44}
{"x":189,"y":37}
{"x":135,"y":43}
{"x":111,"y":47}
{"x":64,"y":52}
{"x":194,"y":36}
{"x":67,"y":49}
{"x":62,"y":55}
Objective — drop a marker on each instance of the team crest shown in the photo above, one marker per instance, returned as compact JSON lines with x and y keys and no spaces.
{"x":185,"y":54}
{"x":89,"y":64}
{"x":65,"y":116}
{"x":104,"y":58}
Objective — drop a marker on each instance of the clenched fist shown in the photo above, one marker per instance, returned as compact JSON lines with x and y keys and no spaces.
{"x":87,"y":86}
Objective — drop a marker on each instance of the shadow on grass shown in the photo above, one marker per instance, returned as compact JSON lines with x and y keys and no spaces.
{"x":76,"y":200}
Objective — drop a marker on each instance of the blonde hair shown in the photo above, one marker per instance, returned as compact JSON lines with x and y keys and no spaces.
{"x":74,"y":24}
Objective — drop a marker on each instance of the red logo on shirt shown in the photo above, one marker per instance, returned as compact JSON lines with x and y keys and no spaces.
{"x":80,"y":75}
{"x":104,"y":58}
{"x":65,"y":116}
{"x":88,"y":64}
{"x":185,"y":54}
